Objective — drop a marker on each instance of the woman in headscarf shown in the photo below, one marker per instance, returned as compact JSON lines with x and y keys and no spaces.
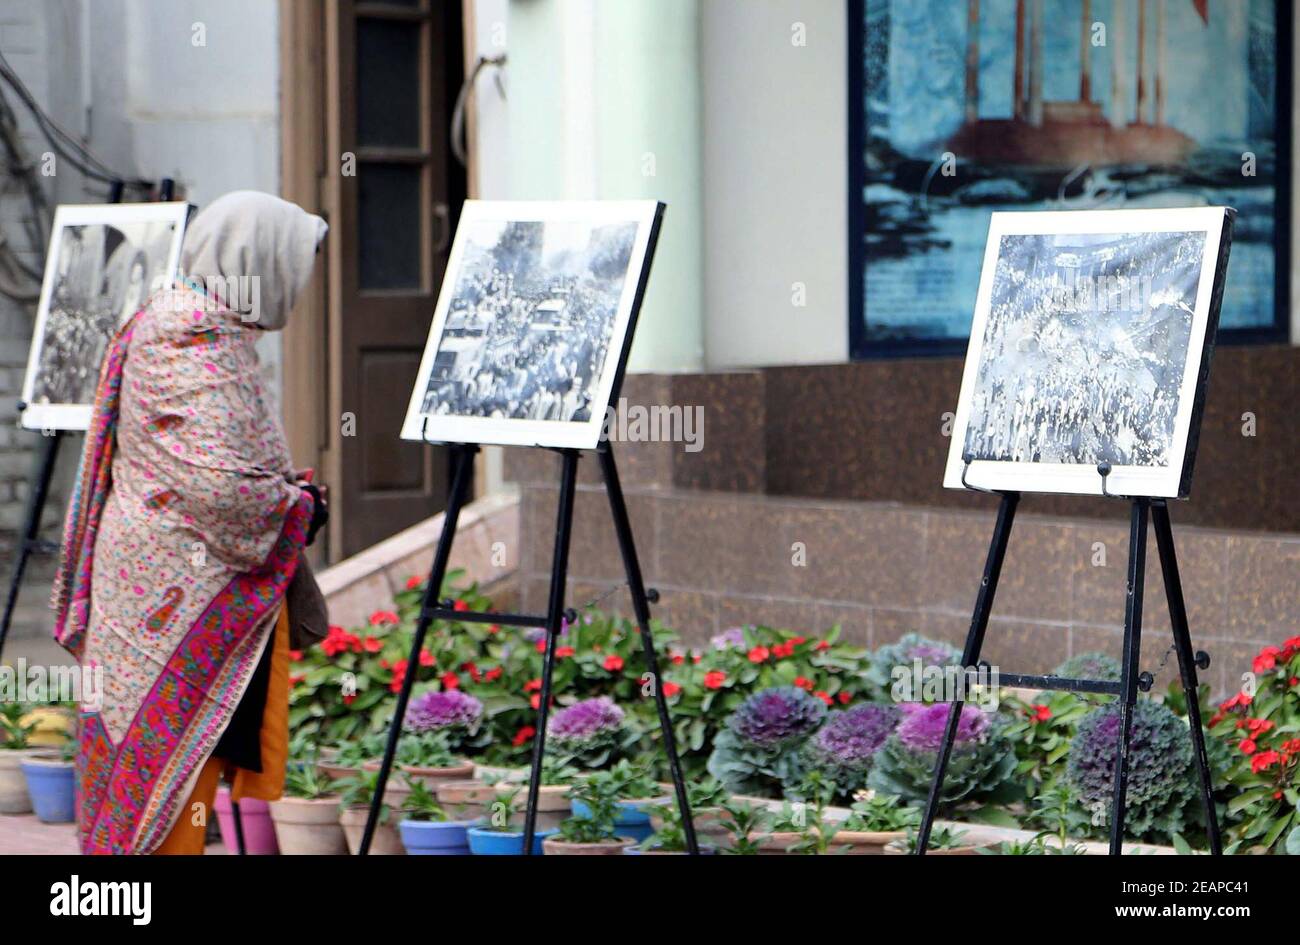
{"x":184,"y":534}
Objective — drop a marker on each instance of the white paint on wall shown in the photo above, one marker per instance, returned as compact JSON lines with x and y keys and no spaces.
{"x":775,"y":134}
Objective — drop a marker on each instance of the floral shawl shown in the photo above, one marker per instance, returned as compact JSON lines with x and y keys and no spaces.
{"x":181,"y":537}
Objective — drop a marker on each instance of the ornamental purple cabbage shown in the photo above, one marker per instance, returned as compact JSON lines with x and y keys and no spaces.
{"x":843,"y":749}
{"x":586,"y":721}
{"x":923,"y":726}
{"x":437,"y":711}
{"x":777,"y":715}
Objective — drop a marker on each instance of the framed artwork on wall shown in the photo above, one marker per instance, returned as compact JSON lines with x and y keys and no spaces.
{"x":961,"y":109}
{"x":1091,"y":344}
{"x":103,"y":262}
{"x":534,"y":322}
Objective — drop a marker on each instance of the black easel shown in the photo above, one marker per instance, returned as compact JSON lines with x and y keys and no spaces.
{"x":431,"y":609}
{"x":30,"y":543}
{"x":1131,"y":680}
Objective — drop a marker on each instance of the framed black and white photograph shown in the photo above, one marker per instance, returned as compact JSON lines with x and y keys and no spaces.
{"x":103,"y":262}
{"x":1090,"y":344}
{"x":533,"y":323}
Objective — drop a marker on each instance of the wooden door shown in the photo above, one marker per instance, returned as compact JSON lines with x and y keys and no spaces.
{"x":394,"y":69}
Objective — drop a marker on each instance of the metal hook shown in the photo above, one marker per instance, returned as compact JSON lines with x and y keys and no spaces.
{"x":1103,"y":470}
{"x":967,"y":459}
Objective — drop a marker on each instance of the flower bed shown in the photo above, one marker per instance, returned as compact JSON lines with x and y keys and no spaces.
{"x":810,"y":721}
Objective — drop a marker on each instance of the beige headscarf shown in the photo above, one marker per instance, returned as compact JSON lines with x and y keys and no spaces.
{"x":255,"y":252}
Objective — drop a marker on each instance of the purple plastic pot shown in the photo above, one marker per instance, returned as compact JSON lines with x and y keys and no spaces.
{"x":259,"y":831}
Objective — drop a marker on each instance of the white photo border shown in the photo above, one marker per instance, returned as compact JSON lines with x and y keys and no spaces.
{"x":435,"y":428}
{"x":76,"y":417}
{"x":1081,"y":479}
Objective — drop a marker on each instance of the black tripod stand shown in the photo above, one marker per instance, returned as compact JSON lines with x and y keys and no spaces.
{"x":1131,"y":680}
{"x":431,"y":609}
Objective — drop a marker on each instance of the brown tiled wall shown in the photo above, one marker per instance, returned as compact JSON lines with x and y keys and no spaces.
{"x":847,"y":459}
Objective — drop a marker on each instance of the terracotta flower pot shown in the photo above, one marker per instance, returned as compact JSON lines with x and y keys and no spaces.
{"x":552,"y":805}
{"x":553,"y":846}
{"x":466,"y":800}
{"x":308,"y":826}
{"x":777,"y":843}
{"x":707,"y":820}
{"x":387,"y":841}
{"x":336,"y":772}
{"x":866,"y":843}
{"x":898,"y":849}
{"x":432,"y":777}
{"x":14,"y":798}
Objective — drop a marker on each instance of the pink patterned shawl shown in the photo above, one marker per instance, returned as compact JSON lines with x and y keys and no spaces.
{"x":180,"y":540}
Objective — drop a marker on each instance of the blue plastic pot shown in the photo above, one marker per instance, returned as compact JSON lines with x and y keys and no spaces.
{"x":633,"y":821}
{"x":50,"y":785}
{"x":431,"y":838}
{"x":485,"y":842}
{"x":705,"y":850}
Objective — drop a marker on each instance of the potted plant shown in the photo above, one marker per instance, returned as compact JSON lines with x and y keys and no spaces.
{"x":427,"y":757}
{"x":427,"y":829}
{"x":760,"y":751}
{"x":50,"y":784}
{"x":502,"y":834}
{"x":944,"y":841}
{"x":802,"y":827}
{"x":255,"y":815}
{"x":346,"y":759}
{"x":595,"y":831}
{"x":707,"y":799}
{"x":53,"y":723}
{"x":306,"y":818}
{"x":874,"y":821}
{"x":438,"y":723}
{"x":354,"y":810}
{"x":466,"y":800}
{"x":15,"y":748}
{"x":637,"y":791}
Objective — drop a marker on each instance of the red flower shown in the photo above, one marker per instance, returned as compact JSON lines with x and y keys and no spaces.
{"x":473,"y":671}
{"x":295,"y":655}
{"x":613,"y":663}
{"x":714,"y":679}
{"x":460,"y":605}
{"x":1040,"y":713}
{"x":541,"y":645}
{"x":535,"y":700}
{"x":493,"y":674}
{"x":427,"y":658}
{"x":450,"y":681}
{"x":1259,"y":726}
{"x":564,"y":652}
{"x":533,"y":685}
{"x":349,"y":699}
{"x":373,"y":644}
{"x":339,"y":641}
{"x":844,"y":698}
{"x":696,"y":658}
{"x":381,"y":617}
{"x":803,"y":682}
{"x":413,"y":582}
{"x":1266,"y":659}
{"x":523,"y":735}
{"x":671,"y":689}
{"x":796,"y":641}
{"x":1293,"y":681}
{"x":822,"y":645}
{"x":1263,"y":761}
{"x":1247,"y":746}
{"x":824,"y":697}
{"x":759,"y":654}
{"x":295,"y":680}
{"x":783,"y":650}
{"x":494,"y":629}
{"x":678,"y":659}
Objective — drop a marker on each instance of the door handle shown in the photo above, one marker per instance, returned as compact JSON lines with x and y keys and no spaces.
{"x":442,"y":215}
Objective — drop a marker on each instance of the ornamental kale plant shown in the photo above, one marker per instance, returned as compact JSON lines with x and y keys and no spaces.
{"x":1161,"y":792}
{"x":842,"y":750}
{"x":980,"y":767}
{"x":903,"y":654}
{"x":451,"y":712}
{"x":759,"y":748}
{"x":587,"y":731}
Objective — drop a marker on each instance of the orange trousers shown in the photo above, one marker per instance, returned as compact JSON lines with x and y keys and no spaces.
{"x":188,"y":836}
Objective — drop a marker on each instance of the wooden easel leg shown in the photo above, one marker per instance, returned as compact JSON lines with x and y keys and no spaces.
{"x":1137,"y":561}
{"x":462,"y":475}
{"x":641,"y":608}
{"x":1187,"y":664}
{"x":970,"y":655}
{"x":554,"y":624}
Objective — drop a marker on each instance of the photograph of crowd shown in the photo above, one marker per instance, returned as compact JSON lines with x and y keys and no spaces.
{"x":101,"y":274}
{"x":531,"y":318}
{"x":1085,"y":348}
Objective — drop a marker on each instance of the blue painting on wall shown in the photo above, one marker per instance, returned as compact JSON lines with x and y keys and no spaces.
{"x":962,"y":107}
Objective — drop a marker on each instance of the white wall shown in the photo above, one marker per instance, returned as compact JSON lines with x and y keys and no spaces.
{"x":775,"y":179}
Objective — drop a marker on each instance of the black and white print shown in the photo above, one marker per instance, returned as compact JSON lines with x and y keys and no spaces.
{"x":529,"y":326}
{"x":103,"y":263}
{"x":1086,"y":348}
